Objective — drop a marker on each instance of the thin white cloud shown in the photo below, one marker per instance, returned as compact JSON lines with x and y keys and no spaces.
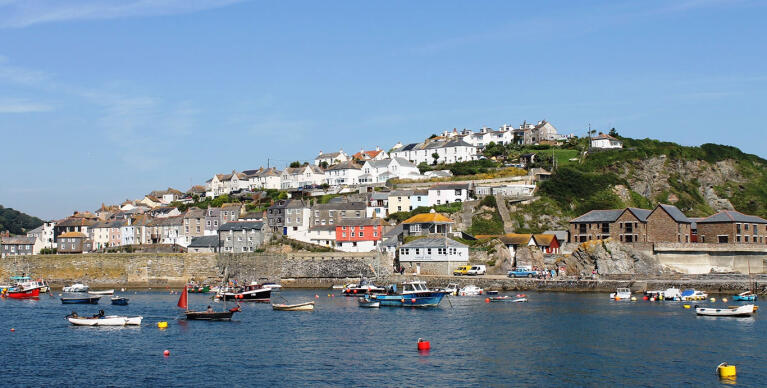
{"x":23,"y":13}
{"x":22,"y":106}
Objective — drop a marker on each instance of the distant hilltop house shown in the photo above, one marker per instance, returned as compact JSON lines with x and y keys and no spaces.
{"x":436,"y":150}
{"x":376,"y":154}
{"x":331,"y":158}
{"x":604,"y":141}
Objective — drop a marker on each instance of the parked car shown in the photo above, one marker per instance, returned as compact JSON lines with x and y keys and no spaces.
{"x":462,"y":270}
{"x":477,"y":270}
{"x":523,"y":272}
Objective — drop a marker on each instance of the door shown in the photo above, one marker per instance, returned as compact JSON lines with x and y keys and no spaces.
{"x":418,"y":268}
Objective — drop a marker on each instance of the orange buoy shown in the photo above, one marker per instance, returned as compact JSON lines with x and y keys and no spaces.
{"x":12,"y":329}
{"x":355,"y":291}
{"x":487,"y":300}
{"x":423,"y":345}
{"x":166,"y":353}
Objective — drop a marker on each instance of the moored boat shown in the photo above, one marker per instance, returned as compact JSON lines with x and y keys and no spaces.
{"x":102,"y":292}
{"x":414,"y":294}
{"x":470,"y":290}
{"x":119,"y":301}
{"x":621,"y":294}
{"x":77,"y":287}
{"x":369,"y":303}
{"x":452,"y":289}
{"x":307,"y":306}
{"x":27,"y":283}
{"x":198,"y":289}
{"x":692,"y":294}
{"x":208,"y":315}
{"x":103,"y":320}
{"x":364,"y":287}
{"x":747,"y":296}
{"x":506,"y":298}
{"x":81,"y":300}
{"x":19,"y":293}
{"x":253,"y":292}
{"x":732,"y":311}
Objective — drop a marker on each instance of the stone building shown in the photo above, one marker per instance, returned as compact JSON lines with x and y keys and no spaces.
{"x":74,"y":242}
{"x":667,"y":223}
{"x":18,"y":246}
{"x":330,"y":213}
{"x":730,"y":226}
{"x":625,"y":225}
{"x":203,"y":244}
{"x":241,"y":236}
{"x":433,"y":255}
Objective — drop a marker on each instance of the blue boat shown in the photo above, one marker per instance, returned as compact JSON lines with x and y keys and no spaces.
{"x":414,"y":294}
{"x":745,"y":297}
{"x":84,"y":300}
{"x":119,"y":301}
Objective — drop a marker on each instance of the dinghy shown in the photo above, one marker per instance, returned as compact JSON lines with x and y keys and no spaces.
{"x":103,"y":320}
{"x":747,"y":296}
{"x":732,"y":311}
{"x":506,"y":298}
{"x":104,"y":292}
{"x":208,"y":315}
{"x":308,"y":306}
{"x":369,"y":303}
{"x":85,"y":300}
{"x":120,"y":300}
{"x":77,"y":287}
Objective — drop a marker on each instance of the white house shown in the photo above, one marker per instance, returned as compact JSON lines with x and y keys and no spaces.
{"x":378,"y":205}
{"x":604,"y":141}
{"x":297,"y":177}
{"x":343,"y":174}
{"x":379,"y":171}
{"x":519,"y":190}
{"x":446,"y":151}
{"x":448,"y":193}
{"x":263,"y":178}
{"x":485,"y":136}
{"x":324,"y":235}
{"x":44,"y":235}
{"x":331,"y":158}
{"x":438,"y":254}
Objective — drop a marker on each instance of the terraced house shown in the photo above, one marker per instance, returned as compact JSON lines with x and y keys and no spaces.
{"x":241,"y":236}
{"x":729,"y":226}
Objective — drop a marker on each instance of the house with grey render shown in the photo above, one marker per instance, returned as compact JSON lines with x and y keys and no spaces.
{"x":241,"y":236}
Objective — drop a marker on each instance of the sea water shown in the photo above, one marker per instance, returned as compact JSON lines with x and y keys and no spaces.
{"x":556,"y":339}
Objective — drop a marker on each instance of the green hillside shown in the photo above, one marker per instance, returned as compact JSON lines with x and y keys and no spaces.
{"x":17,"y":222}
{"x":698,"y":180}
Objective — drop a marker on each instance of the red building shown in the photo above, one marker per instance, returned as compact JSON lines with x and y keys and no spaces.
{"x":358,"y":234}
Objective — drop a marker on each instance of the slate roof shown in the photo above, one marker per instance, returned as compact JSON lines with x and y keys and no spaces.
{"x":403,"y":162}
{"x":17,"y":240}
{"x":348,"y":165}
{"x":204,"y":242}
{"x":327,"y":228}
{"x":360,"y":222}
{"x":241,"y":225}
{"x":400,"y":193}
{"x":641,"y":214}
{"x":561,"y":234}
{"x":599,"y":216}
{"x":328,"y":155}
{"x":729,"y":216}
{"x":379,"y":195}
{"x":194,"y":212}
{"x":450,"y":186}
{"x":434,"y":242}
{"x":675,"y":213}
{"x":340,"y":206}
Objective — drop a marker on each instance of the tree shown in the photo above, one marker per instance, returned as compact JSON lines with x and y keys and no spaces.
{"x":613,"y":132}
{"x":324,"y":164}
{"x":433,"y":135}
{"x":436,"y":157}
{"x":295,"y":164}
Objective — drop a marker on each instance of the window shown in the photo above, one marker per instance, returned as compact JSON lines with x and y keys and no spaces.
{"x":418,"y":251}
{"x":362,"y":234}
{"x":458,"y":192}
{"x":723,"y":239}
{"x":375,"y":234}
{"x":605,"y":227}
{"x":582,"y":228}
{"x":428,"y":251}
{"x":629,"y":227}
{"x":343,"y":234}
{"x":441,"y":251}
{"x":737,"y":228}
{"x":754,"y":229}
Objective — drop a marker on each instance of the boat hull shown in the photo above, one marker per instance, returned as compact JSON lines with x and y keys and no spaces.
{"x":262,"y":295}
{"x":746,"y":298}
{"x":109,"y":320}
{"x":308,"y":306}
{"x":421,"y":299}
{"x":741,"y":311}
{"x":91,"y":300}
{"x":26,"y":294}
{"x":369,"y":303}
{"x":357,"y":291}
{"x":120,"y":301}
{"x":104,"y":292}
{"x":209,"y":316}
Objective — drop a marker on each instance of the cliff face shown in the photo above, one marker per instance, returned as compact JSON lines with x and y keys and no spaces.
{"x":611,"y":257}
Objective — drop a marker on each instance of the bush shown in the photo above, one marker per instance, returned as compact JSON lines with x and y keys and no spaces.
{"x":488,"y":201}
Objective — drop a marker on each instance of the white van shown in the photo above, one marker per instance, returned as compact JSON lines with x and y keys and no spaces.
{"x":477,"y":270}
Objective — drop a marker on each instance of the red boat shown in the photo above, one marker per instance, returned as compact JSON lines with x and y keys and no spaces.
{"x":22,"y":294}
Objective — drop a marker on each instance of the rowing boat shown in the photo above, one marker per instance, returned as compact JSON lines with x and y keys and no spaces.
{"x":104,"y":292}
{"x":732,"y":311}
{"x":308,"y":306}
{"x":108,"y":320}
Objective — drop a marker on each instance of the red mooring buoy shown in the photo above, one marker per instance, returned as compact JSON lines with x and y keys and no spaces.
{"x":423,"y":345}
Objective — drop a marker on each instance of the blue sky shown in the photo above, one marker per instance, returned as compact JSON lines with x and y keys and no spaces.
{"x":106,"y":100}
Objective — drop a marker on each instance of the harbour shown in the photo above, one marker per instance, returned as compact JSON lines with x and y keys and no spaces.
{"x":553,"y":339}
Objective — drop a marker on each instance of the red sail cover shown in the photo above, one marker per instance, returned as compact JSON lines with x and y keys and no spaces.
{"x":182,"y":299}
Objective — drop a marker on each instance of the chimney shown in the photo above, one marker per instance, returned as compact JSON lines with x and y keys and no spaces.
{"x":378,"y":148}
{"x":320,"y":152}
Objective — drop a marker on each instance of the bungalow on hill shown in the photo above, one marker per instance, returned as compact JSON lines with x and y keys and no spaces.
{"x":376,"y":154}
{"x":729,"y":226}
{"x":343,"y":174}
{"x":605,"y":142}
{"x":427,"y":223}
{"x":328,"y":159}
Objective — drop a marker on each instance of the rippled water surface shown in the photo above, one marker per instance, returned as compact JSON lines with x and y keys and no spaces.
{"x":556,"y":339}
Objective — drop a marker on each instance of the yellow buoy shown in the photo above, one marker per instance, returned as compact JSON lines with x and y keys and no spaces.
{"x":162,"y":325}
{"x":713,"y":299}
{"x":687,"y":306}
{"x":724,"y":300}
{"x":726,"y":371}
{"x":633,"y":298}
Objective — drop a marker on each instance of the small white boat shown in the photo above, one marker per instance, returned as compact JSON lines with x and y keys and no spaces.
{"x":77,"y":287}
{"x":621,"y":294}
{"x":732,"y":311}
{"x":369,"y":303}
{"x":103,"y":292}
{"x":470,"y":290}
{"x":452,"y":289}
{"x":692,"y":294}
{"x":272,"y":286}
{"x":672,"y":294}
{"x":308,"y":306}
{"x":108,"y":320}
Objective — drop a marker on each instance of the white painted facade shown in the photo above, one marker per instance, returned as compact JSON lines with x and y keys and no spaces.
{"x":379,"y":171}
{"x":442,"y":194}
{"x":606,"y":142}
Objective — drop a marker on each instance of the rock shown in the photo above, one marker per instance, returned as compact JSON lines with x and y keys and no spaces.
{"x":612,"y":257}
{"x":529,"y":257}
{"x":502,"y":258}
